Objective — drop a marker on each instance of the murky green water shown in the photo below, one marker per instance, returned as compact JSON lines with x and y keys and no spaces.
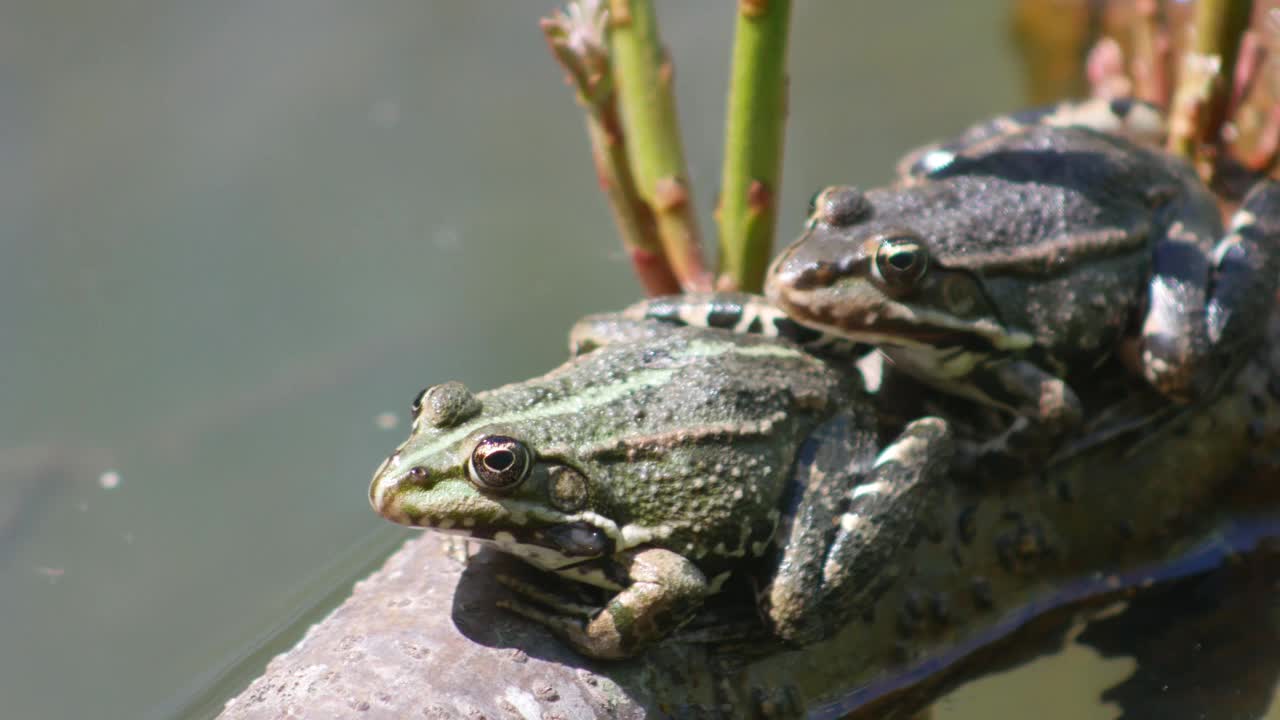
{"x":234,"y":236}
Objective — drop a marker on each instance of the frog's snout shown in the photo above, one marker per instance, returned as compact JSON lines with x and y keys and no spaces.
{"x":388,"y":481}
{"x":792,"y":273}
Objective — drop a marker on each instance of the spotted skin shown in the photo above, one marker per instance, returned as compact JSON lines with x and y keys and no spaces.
{"x":657,"y":463}
{"x":1039,"y":248}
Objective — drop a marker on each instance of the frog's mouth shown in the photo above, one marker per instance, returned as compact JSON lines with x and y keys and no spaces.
{"x":541,"y":535}
{"x":557,"y":547}
{"x":875,"y":318}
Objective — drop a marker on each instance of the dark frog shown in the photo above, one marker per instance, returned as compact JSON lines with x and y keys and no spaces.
{"x":1020,"y":257}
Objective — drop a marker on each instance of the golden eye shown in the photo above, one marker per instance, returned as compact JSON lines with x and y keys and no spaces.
{"x":499,"y":463}
{"x":901,"y":260}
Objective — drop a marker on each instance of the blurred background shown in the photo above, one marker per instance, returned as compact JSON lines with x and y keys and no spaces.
{"x":237,"y":237}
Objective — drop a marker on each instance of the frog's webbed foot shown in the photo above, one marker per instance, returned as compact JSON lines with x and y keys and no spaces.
{"x":1206,"y":309}
{"x":822,"y":580}
{"x":1034,"y":393}
{"x":1044,"y":406}
{"x":665,"y":592}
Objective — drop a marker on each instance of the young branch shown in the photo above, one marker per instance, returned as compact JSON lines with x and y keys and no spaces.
{"x":576,"y":40}
{"x":754,"y":131}
{"x":643,"y":76}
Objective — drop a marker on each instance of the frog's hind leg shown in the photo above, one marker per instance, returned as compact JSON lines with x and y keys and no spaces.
{"x":839,"y":553}
{"x":1207,"y":306}
{"x":1246,"y":274}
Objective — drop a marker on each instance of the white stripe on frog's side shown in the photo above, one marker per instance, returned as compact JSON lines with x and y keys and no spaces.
{"x":585,"y":401}
{"x":703,"y":348}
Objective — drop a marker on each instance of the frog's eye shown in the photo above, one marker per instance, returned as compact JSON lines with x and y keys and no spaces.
{"x":499,"y":463}
{"x":900,"y":261}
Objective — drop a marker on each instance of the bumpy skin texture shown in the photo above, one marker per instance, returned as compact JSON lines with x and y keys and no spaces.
{"x":1044,"y":244}
{"x":658,"y":463}
{"x":1129,"y":118}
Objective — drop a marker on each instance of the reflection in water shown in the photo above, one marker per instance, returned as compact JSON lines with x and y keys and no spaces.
{"x":31,"y":478}
{"x":1205,"y":646}
{"x":1202,"y":647}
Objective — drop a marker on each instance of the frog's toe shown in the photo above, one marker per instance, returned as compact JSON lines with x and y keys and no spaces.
{"x":1039,"y":395}
{"x":529,"y":592}
{"x":1167,"y":366}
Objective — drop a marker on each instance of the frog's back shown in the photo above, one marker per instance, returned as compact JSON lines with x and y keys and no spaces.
{"x":1029,"y":201}
{"x":690,"y":435}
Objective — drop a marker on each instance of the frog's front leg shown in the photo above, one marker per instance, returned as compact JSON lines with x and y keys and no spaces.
{"x":1013,"y":384}
{"x":666,"y":590}
{"x":1029,"y":391}
{"x":1205,"y":308}
{"x":824,"y":579}
{"x":1246,"y":271}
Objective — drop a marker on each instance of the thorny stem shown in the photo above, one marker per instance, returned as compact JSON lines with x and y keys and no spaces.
{"x":1256,"y":100}
{"x":643,"y":76}
{"x":576,"y":40}
{"x":754,"y":130}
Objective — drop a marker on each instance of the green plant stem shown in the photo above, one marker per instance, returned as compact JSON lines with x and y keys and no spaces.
{"x":643,"y":77}
{"x":587,"y":67}
{"x":1200,"y":99}
{"x":754,"y":132}
{"x":634,"y":218}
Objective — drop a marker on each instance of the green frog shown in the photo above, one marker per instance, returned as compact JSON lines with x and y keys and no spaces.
{"x":1011,"y":263}
{"x":660,"y":461}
